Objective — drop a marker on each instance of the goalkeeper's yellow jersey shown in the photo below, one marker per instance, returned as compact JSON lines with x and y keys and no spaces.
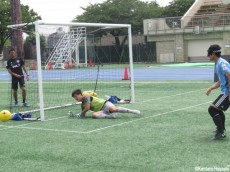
{"x":91,"y":93}
{"x":96,"y":104}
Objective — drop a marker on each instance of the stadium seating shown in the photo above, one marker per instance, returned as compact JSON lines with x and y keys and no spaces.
{"x":211,"y":14}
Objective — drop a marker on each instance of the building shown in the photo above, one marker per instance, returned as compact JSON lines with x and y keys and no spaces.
{"x":186,"y":38}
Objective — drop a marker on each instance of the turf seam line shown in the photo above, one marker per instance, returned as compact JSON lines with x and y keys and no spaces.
{"x":170,"y":96}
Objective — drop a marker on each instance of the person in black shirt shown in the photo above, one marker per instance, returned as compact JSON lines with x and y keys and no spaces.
{"x":15,"y":67}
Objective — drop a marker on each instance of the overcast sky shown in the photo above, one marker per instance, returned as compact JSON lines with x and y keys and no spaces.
{"x":65,"y":10}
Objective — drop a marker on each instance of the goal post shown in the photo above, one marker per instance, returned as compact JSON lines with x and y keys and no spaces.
{"x":40,"y":82}
{"x":105,"y":77}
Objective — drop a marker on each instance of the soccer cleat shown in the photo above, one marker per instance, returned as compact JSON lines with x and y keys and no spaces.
{"x":71,"y":114}
{"x":136,"y":112}
{"x":25,"y":104}
{"x":16,"y":104}
{"x":219,"y":136}
{"x":26,"y":115}
{"x":216,"y":131}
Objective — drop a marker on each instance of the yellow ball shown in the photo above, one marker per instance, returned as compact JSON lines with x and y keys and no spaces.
{"x":5,"y":115}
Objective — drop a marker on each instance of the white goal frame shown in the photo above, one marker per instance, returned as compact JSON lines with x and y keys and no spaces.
{"x":39,"y":67}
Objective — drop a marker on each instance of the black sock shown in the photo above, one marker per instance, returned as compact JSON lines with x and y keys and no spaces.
{"x":217,"y":119}
{"x":23,"y":100}
{"x":223,"y":118}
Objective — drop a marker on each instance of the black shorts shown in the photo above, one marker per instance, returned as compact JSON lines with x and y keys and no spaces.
{"x":222,"y":102}
{"x":16,"y":81}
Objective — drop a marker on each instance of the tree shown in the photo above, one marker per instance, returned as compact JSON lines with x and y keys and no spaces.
{"x":28,"y":15}
{"x":16,"y":17}
{"x":30,"y":42}
{"x":123,"y":12}
{"x":5,"y":19}
{"x":177,"y":8}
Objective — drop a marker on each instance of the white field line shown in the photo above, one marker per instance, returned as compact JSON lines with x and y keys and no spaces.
{"x":139,"y":83}
{"x":29,"y":123}
{"x":54,"y":130}
{"x":152,"y":116}
{"x":115,"y":125}
{"x":139,"y":119}
{"x":170,"y":96}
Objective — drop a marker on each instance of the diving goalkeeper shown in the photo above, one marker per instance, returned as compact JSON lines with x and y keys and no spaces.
{"x":100,"y":107}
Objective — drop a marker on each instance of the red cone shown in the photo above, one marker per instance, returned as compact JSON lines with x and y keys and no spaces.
{"x":33,"y":66}
{"x":126,"y":75}
{"x":90,"y":63}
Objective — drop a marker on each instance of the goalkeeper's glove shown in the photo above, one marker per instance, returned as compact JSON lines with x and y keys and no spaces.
{"x":72,"y":115}
{"x":80,"y":115}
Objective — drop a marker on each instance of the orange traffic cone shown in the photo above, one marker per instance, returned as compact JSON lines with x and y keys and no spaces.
{"x":90,"y":63}
{"x":73,"y":64}
{"x":33,"y":66}
{"x":50,"y":66}
{"x":68,"y":65}
{"x":126,"y":75}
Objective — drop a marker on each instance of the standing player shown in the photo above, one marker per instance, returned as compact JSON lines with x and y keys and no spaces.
{"x":221,"y":104}
{"x":101,"y":107}
{"x":14,"y":67}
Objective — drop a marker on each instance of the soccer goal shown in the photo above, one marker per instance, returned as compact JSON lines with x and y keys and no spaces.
{"x":76,"y":56}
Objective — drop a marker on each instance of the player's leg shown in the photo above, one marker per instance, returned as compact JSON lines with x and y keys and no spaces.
{"x":113,"y":108}
{"x":14,"y":86}
{"x":101,"y":114}
{"x":23,"y":88}
{"x":105,"y":111}
{"x":216,"y":111}
{"x":222,"y":104}
{"x":215,"y":114}
{"x":223,"y":119}
{"x":126,"y":110}
{"x":23,"y":94}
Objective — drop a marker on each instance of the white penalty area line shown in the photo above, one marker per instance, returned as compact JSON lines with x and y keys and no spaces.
{"x":54,"y":130}
{"x":23,"y":126}
{"x":111,"y":126}
{"x":140,"y":119}
{"x":29,"y":123}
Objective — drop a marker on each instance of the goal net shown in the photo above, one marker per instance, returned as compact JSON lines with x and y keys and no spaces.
{"x":73,"y":56}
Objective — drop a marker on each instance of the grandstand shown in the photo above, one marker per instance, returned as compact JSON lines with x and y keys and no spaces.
{"x":186,"y":38}
{"x":211,"y":13}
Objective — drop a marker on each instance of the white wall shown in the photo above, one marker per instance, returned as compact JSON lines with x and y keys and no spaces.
{"x":199,"y":47}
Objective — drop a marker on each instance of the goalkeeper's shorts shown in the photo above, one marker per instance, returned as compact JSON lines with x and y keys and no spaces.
{"x":106,"y":107}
